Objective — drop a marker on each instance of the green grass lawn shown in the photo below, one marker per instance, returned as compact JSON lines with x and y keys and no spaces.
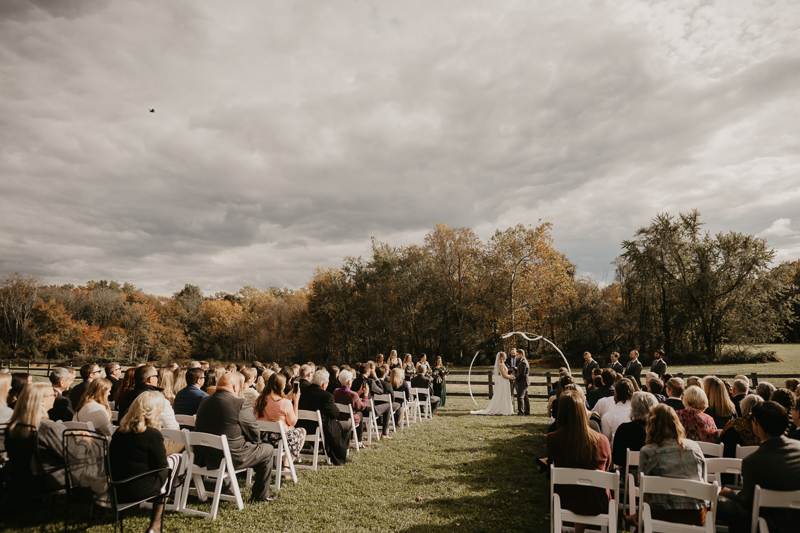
{"x":457,"y":472}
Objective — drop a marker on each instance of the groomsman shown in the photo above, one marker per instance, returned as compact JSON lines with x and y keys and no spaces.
{"x":511,"y":364}
{"x":659,"y":366}
{"x":615,"y":365}
{"x":523,"y":382}
{"x":588,"y":365}
{"x":634,"y":368}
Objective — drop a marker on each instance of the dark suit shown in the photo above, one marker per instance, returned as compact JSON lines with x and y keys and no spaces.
{"x":337,"y":438}
{"x":774,"y":466}
{"x":588,"y":366}
{"x":603,"y":391}
{"x":616,"y":367}
{"x":222,"y":413}
{"x":188,"y":400}
{"x":633,"y":370}
{"x":511,"y":364}
{"x":62,"y":408}
{"x":523,"y":381}
{"x":659,"y":366}
{"x":737,"y":400}
{"x":675,"y":403}
{"x":115,"y":385}
{"x":76,"y":393}
{"x":381,"y":409}
{"x":423,"y":382}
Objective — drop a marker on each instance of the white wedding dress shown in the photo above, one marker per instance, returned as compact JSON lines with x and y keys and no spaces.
{"x":502,"y":402}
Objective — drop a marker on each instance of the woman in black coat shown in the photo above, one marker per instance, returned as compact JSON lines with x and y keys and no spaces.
{"x":138,"y":447}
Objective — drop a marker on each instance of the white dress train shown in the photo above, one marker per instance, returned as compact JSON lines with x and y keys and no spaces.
{"x":502,"y":403}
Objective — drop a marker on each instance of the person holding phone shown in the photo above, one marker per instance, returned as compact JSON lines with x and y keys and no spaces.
{"x":272,"y":405}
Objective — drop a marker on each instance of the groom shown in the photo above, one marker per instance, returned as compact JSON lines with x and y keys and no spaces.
{"x":523,"y":382}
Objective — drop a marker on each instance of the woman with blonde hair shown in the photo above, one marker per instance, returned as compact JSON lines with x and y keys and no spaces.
{"x":30,"y":421}
{"x":697,"y":425}
{"x":394,"y":361}
{"x":740,"y":430}
{"x":668,"y":453}
{"x":399,"y":383}
{"x":720,"y":406}
{"x":166,"y":380}
{"x":94,"y":407}
{"x":180,"y":380}
{"x":273,"y":406}
{"x":262,"y":379}
{"x":249,"y":391}
{"x":5,"y":386}
{"x":408,"y":367}
{"x":137,"y":447}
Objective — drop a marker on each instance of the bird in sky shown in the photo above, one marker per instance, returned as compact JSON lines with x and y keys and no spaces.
{"x":152,"y":110}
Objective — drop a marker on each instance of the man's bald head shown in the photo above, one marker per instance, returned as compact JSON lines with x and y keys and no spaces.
{"x":229,"y":383}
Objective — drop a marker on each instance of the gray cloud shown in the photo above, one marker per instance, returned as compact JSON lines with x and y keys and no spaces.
{"x":285,"y":135}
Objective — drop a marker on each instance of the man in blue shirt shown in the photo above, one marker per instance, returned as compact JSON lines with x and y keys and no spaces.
{"x":188,"y":398}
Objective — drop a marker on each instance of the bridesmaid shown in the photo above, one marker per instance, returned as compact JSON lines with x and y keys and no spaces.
{"x":408,"y":367}
{"x":394,"y":361}
{"x":439,"y":374}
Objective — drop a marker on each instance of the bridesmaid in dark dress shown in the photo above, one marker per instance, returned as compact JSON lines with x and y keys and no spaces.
{"x":439,"y":375}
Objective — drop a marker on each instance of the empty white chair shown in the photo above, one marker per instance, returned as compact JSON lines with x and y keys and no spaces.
{"x":350,"y":422}
{"x":744,"y":451}
{"x":716,"y":466}
{"x":186,"y":420}
{"x":771,"y":498}
{"x":631,"y":490}
{"x":675,"y":487}
{"x":584,"y":478}
{"x":315,"y":439}
{"x":280,"y":452}
{"x":424,"y":403}
{"x":195,"y":474}
{"x":710,"y":449}
{"x":114,"y":416}
{"x":372,"y":423}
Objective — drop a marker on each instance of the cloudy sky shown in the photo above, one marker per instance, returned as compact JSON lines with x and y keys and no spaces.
{"x":286,"y":134}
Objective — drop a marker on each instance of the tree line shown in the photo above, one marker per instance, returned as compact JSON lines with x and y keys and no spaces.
{"x":675,"y":287}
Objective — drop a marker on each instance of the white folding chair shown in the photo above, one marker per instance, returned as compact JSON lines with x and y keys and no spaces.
{"x":315,"y":440}
{"x":716,"y":466}
{"x":710,"y":449}
{"x":175,"y":435}
{"x":676,"y":487}
{"x":771,"y":498}
{"x":425,"y":405}
{"x":195,"y":473}
{"x":186,"y":420}
{"x":79,"y":425}
{"x":744,"y":451}
{"x":114,"y":416}
{"x":584,"y":478}
{"x":372,"y":423}
{"x":387,"y":398}
{"x":112,"y":405}
{"x":281,"y":452}
{"x":413,"y":405}
{"x":631,"y":492}
{"x":400,"y":397}
{"x":351,"y":422}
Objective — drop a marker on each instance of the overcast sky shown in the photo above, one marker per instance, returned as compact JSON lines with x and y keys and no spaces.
{"x":286,"y":134}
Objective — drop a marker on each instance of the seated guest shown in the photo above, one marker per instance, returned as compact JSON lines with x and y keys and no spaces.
{"x":631,"y":435}
{"x":19,"y":381}
{"x":382,"y":380}
{"x":400,"y":384}
{"x":785,"y":398}
{"x":5,"y":386}
{"x":223,"y":413}
{"x":382,"y":410}
{"x":594,"y":418}
{"x":720,"y":407}
{"x":273,"y":406}
{"x":61,"y":378}
{"x":180,"y":381}
{"x":250,"y":393}
{"x":421,"y":381}
{"x":740,"y":390}
{"x":668,"y":453}
{"x":113,"y":371}
{"x":138,"y":447}
{"x":774,"y":466}
{"x":675,"y":389}
{"x":765,"y":390}
{"x":126,"y":385}
{"x":166,"y":380}
{"x":621,"y":410}
{"x":697,"y":425}
{"x":605,"y":390}
{"x":315,"y":397}
{"x":575,"y":445}
{"x":145,"y":378}
{"x":333,"y":381}
{"x":357,"y":400}
{"x":34,"y":401}
{"x":694,"y":381}
{"x":188,"y":399}
{"x":656,"y":387}
{"x":93,"y":406}
{"x":89,"y":372}
{"x":739,"y":430}
{"x":552,"y":406}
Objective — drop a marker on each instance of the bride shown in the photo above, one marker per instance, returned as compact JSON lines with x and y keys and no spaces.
{"x":502,"y":403}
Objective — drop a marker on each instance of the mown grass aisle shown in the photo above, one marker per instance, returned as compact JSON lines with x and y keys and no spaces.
{"x":457,"y":472}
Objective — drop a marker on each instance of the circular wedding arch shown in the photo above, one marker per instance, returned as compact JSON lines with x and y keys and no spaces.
{"x":507,"y":335}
